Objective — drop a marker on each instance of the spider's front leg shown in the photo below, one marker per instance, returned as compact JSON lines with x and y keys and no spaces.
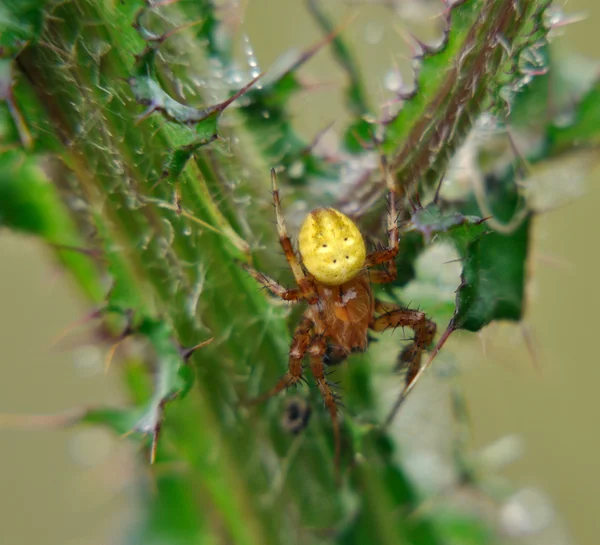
{"x":306,"y":289}
{"x":396,"y":316}
{"x":304,"y":283}
{"x":293,"y":294}
{"x":386,"y":256}
{"x":301,"y":341}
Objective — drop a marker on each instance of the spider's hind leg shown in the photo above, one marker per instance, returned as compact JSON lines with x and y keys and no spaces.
{"x":295,"y":373}
{"x":410,"y":358}
{"x":317,"y":352}
{"x":334,"y":354}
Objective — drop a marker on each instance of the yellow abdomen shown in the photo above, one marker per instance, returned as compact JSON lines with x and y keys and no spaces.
{"x":332,"y":247}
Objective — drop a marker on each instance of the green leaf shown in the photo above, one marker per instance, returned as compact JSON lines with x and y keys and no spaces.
{"x":584,"y":130}
{"x":29,"y":203}
{"x":430,"y":283}
{"x":148,"y":91}
{"x":458,"y":80}
{"x":170,"y":516}
{"x":21,"y":21}
{"x":173,"y":379}
{"x":429,"y":224}
{"x":386,"y":494}
{"x":431,"y":220}
{"x":561,"y":104}
{"x":121,"y":421}
{"x":358,"y":135}
{"x":460,"y":529}
{"x":494,"y":265}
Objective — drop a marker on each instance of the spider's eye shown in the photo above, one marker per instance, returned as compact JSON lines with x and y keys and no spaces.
{"x":331,"y":246}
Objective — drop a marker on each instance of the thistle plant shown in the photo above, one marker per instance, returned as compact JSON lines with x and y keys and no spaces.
{"x":134,"y":149}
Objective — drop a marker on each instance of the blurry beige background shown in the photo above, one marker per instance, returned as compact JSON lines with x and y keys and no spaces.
{"x":73,"y":487}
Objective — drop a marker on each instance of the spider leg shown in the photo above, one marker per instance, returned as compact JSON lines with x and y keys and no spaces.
{"x":317,"y":352}
{"x":335,"y":354}
{"x":303,"y":282}
{"x":424,"y":329}
{"x":387,"y":275}
{"x":300,"y":343}
{"x":294,"y":294}
{"x":387,"y":256}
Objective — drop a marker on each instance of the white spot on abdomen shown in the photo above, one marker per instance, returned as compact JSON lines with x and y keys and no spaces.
{"x":348,"y":296}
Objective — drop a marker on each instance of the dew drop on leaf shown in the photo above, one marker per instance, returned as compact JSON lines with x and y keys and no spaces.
{"x":296,"y":169}
{"x":392,"y":80}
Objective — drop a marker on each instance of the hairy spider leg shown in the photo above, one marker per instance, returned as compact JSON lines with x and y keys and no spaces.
{"x":305,"y":285}
{"x":316,"y":352}
{"x":293,"y":294}
{"x":300,"y":343}
{"x":424,"y":329}
{"x":386,"y":256}
{"x":307,"y":340}
{"x":422,"y":368}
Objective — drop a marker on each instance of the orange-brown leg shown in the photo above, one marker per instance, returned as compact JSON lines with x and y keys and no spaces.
{"x":385,"y":276}
{"x":294,"y":294}
{"x":387,"y":256}
{"x":317,"y":351}
{"x":300,"y":343}
{"x":303,"y":282}
{"x":424,"y":329}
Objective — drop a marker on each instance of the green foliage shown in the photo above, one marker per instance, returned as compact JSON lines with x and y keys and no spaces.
{"x":584,"y":129}
{"x":458,"y":80}
{"x":494,"y":267}
{"x":267,"y":115}
{"x":141,"y":208}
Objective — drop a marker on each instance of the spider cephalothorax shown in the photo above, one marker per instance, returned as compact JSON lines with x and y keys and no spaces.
{"x":334,"y":276}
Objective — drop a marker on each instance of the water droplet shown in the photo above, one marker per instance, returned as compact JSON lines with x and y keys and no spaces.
{"x":392,"y":80}
{"x":564,"y":119}
{"x":370,"y":118}
{"x":249,"y":50}
{"x":296,"y":169}
{"x":526,"y":512}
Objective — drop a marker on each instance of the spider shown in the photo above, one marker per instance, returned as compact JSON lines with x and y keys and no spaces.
{"x":334,"y":274}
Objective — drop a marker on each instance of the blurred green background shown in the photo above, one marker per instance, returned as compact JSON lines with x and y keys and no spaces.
{"x":75,"y":486}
